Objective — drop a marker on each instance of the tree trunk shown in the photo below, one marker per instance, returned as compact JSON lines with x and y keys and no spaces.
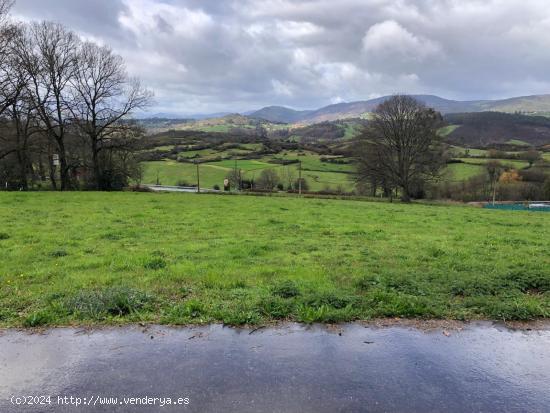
{"x":52,"y":174}
{"x":405,"y":195}
{"x":22,"y":161}
{"x":64,"y":168}
{"x":95,"y":164}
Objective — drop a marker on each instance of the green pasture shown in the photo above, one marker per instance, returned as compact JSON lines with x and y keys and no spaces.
{"x":114,"y":258}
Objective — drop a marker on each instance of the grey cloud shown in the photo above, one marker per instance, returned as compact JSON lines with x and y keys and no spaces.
{"x":93,"y":17}
{"x":210,"y":55}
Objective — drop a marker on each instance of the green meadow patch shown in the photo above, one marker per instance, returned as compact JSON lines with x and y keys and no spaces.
{"x":113,"y":258}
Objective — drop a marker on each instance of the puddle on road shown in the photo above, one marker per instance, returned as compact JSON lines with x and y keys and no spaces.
{"x":290,"y":368}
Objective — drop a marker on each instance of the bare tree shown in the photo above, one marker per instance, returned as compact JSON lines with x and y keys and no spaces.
{"x":531,"y":156}
{"x":268,"y":179}
{"x":48,"y":53}
{"x":10,"y":85}
{"x":288,"y":176}
{"x":104,"y":96}
{"x":400,"y":146}
{"x":494,"y":171}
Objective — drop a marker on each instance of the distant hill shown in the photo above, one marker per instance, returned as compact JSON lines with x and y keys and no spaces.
{"x":529,"y":104}
{"x":486,"y":128}
{"x":280,"y":114}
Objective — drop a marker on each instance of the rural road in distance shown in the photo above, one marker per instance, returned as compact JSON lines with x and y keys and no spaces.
{"x":293,"y":368}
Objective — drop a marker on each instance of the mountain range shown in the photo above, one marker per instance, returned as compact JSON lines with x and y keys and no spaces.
{"x":536,"y":104}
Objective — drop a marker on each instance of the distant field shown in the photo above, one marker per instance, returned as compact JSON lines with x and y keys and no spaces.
{"x":174,"y":173}
{"x":463,"y":171}
{"x":185,"y":259}
{"x":507,"y":162}
{"x":447,"y":130}
{"x":245,"y":165}
{"x":319,"y":175}
{"x":312,"y":162}
{"x":458,"y":150}
{"x":518,"y":142}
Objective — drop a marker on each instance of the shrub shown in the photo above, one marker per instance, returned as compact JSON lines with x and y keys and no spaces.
{"x":268,"y":180}
{"x":182,"y":182}
{"x":305,"y":184}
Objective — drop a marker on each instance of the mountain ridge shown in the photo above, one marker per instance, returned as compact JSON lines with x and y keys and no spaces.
{"x":530,"y":104}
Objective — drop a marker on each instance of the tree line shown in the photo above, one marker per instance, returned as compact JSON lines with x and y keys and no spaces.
{"x":401,"y":154}
{"x":65,"y":107}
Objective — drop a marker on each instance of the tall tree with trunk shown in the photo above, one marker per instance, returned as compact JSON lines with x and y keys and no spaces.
{"x":8,"y":85}
{"x":400,"y":146}
{"x":48,"y":52}
{"x":103,"y":96}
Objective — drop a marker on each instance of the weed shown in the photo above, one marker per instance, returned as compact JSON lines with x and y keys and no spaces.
{"x":111,"y":236}
{"x":308,"y":314}
{"x":114,"y":301}
{"x":58,"y":253}
{"x":530,"y":281}
{"x":239,"y":284}
{"x":154,"y":263}
{"x":38,"y":318}
{"x":275,"y":307}
{"x":4,"y":236}
{"x":330,"y":299}
{"x":240,"y":317}
{"x":286,"y":289}
{"x":183,"y":313}
{"x":367,"y":282}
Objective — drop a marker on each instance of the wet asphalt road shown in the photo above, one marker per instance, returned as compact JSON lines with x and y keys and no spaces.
{"x":482,"y":368}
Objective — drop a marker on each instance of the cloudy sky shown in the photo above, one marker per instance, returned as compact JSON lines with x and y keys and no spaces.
{"x":204,"y":56}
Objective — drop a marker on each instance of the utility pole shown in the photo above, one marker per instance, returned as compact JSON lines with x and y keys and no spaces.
{"x":236,"y":175}
{"x":300,"y":178}
{"x":198,"y":179}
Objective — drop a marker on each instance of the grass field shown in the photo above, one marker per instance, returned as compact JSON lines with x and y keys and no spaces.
{"x":518,"y":142}
{"x":459,"y":150}
{"x":172,"y":173}
{"x":457,"y":172}
{"x":312,"y":162}
{"x":447,"y":130}
{"x":79,"y":258}
{"x":244,"y":165}
{"x":512,"y":163}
